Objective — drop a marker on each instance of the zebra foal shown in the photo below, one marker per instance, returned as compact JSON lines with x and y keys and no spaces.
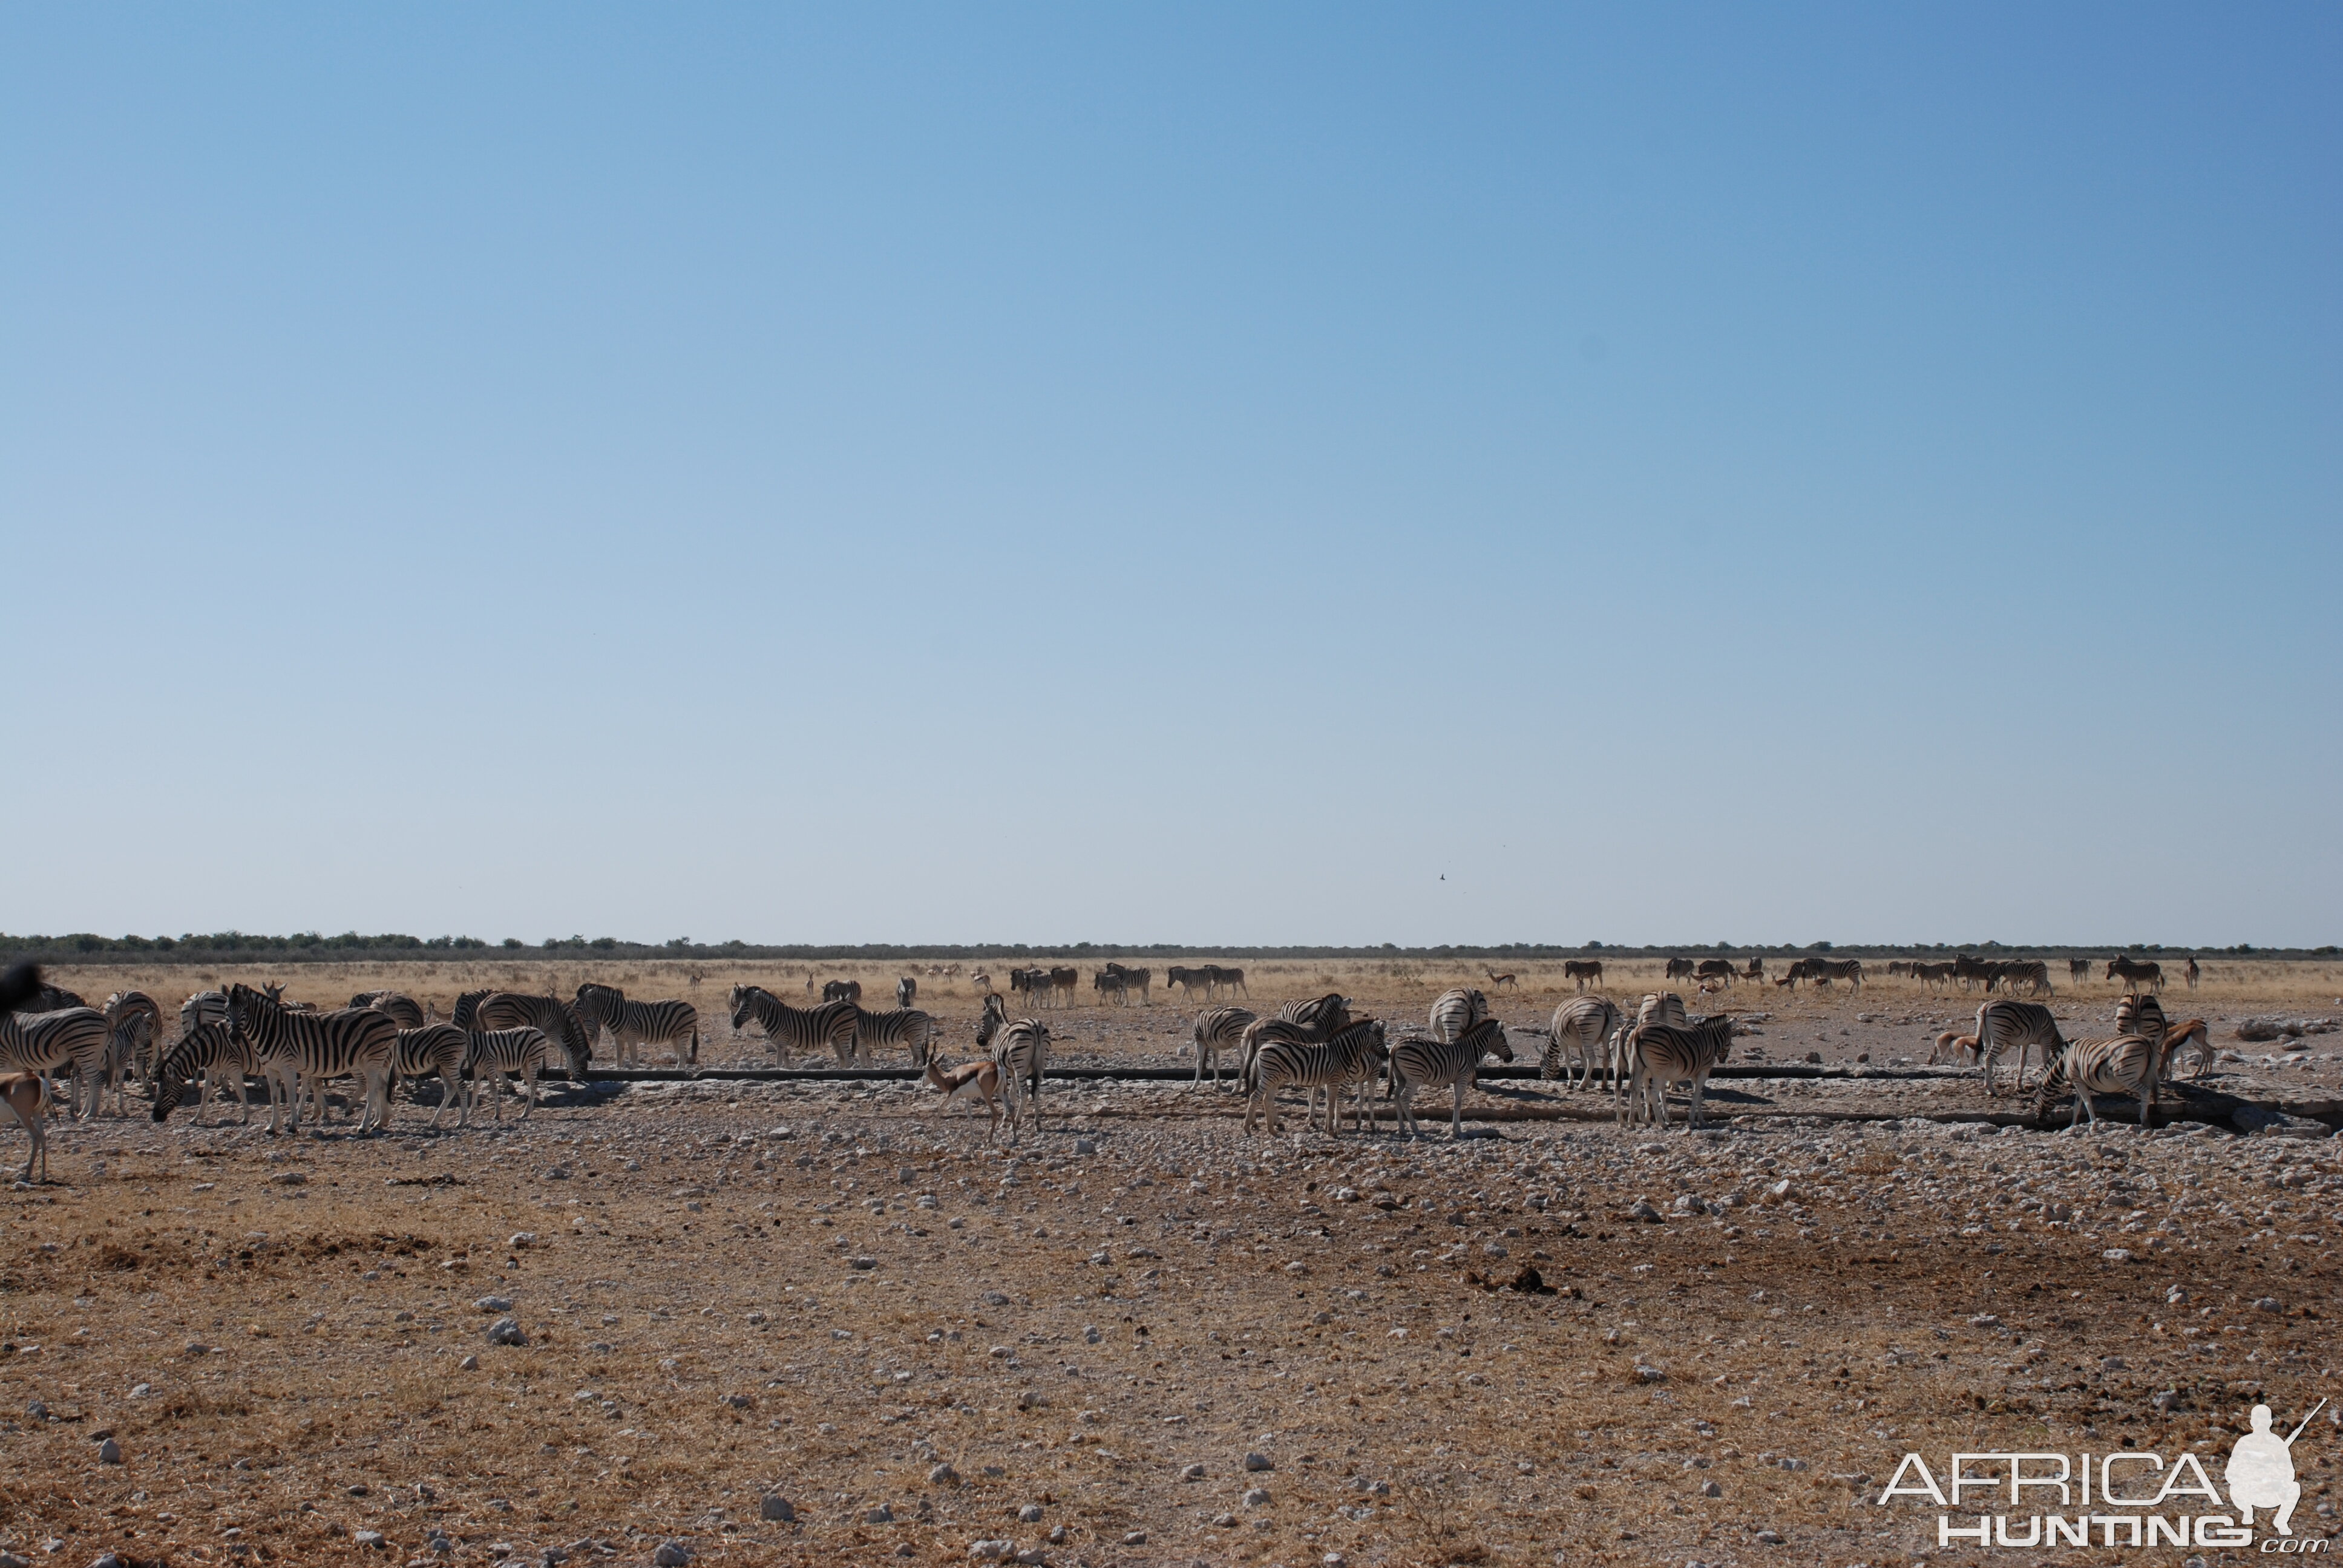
{"x":210,"y":1057}
{"x":2130,"y":1064}
{"x":548,"y":1015}
{"x":1418,"y":1062}
{"x":492,"y":1053}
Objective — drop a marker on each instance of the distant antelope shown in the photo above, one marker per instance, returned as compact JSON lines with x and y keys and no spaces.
{"x":2192,"y":1033}
{"x":1498,"y":981}
{"x":1583,"y":971}
{"x":1755,"y":972}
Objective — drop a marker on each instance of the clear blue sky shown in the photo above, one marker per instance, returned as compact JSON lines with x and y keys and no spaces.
{"x":1175,"y":473}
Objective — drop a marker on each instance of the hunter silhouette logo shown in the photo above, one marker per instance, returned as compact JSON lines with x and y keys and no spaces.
{"x":2260,"y":1472}
{"x":2048,"y":1500}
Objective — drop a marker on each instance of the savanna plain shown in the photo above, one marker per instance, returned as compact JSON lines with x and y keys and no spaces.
{"x":795,"y":1320}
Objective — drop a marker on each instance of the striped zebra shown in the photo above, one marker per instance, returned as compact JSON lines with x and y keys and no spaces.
{"x":1457,"y":1010}
{"x":317,"y":1047}
{"x":906,"y":1028}
{"x":1020,"y":1047}
{"x":548,"y":1015}
{"x":1421,"y":1062}
{"x":2191,"y":973}
{"x":2135,"y":976}
{"x":211,"y":1057}
{"x":1583,"y":971}
{"x":1680,"y":969}
{"x":789,"y":1029}
{"x":2030,"y":975}
{"x":1581,"y":1026}
{"x":404,"y":1010}
{"x":2128,"y":1064}
{"x":1108,"y":983}
{"x":465,"y":1015}
{"x":69,"y":1040}
{"x":841,"y":991}
{"x":133,"y":1029}
{"x":634,"y":1025}
{"x":2079,"y":972}
{"x":1135,"y":980}
{"x":1312,"y":1021}
{"x":1323,"y":1013}
{"x":2142,"y":1015}
{"x":1352,"y":1056}
{"x":434,"y":1050}
{"x":1224,"y":978}
{"x":1220,"y":1029}
{"x":1661,"y":1054}
{"x":204,"y":1007}
{"x":1931,"y":976}
{"x":493,"y":1052}
{"x":1188,"y":980}
{"x":2022,"y":1026}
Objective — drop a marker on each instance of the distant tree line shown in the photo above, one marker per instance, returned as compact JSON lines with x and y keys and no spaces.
{"x":309,"y":947}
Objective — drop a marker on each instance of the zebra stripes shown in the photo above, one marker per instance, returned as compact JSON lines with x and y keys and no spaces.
{"x":1020,"y":1047}
{"x":1456,"y":1010}
{"x":204,"y":1007}
{"x":434,"y":1050}
{"x":210,"y":1057}
{"x":2130,"y":1064}
{"x":2021,"y":1026}
{"x":636,"y":1024}
{"x":293,"y":1047}
{"x":1352,"y":1056}
{"x":492,"y":1053}
{"x":2143,"y":1015}
{"x":905,"y":1029}
{"x":404,"y":1010}
{"x":1418,"y":1062}
{"x":1583,"y":971}
{"x":1661,"y":1054}
{"x":69,"y":1040}
{"x":134,"y":1027}
{"x":2135,"y":975}
{"x":1581,"y":1026}
{"x":788,"y":1029}
{"x":548,"y":1015}
{"x":1220,"y":1029}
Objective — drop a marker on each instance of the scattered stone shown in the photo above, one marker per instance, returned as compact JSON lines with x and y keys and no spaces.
{"x":1030,"y":1514}
{"x":777,"y":1510}
{"x":882,"y":1515}
{"x":671,"y":1555}
{"x":493,"y":1303}
{"x":506,"y":1331}
{"x":1711,"y":1488}
{"x":1643,"y":1210}
{"x":943,"y":1475}
{"x":990,"y":1551}
{"x":470,"y":1363}
{"x":1134,"y":1538}
{"x":1255,"y":1497}
{"x":1258,"y":1462}
{"x":370,"y":1538}
{"x":109,"y":1452}
{"x":521,"y":1239}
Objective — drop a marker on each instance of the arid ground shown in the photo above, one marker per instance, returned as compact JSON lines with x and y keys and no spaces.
{"x":1140,"y":1336}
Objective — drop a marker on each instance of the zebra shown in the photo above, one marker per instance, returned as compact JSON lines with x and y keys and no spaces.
{"x":1931,"y":976}
{"x":788,"y":1029}
{"x":636,"y":1024}
{"x":906,"y":1027}
{"x":1822,"y":972}
{"x":1584,"y":971}
{"x":204,"y":1007}
{"x":495,"y":1052}
{"x":2031,"y":974}
{"x":1662,"y":1007}
{"x":403,"y":1011}
{"x":1133,"y":981}
{"x":1715,"y":969}
{"x":465,"y":1014}
{"x":1353,"y":1055}
{"x":1063,"y":983}
{"x":2191,"y":972}
{"x":1108,"y":983}
{"x":1020,"y":1047}
{"x":1755,"y":972}
{"x":39,"y":996}
{"x":1456,"y":1010}
{"x":69,"y":1039}
{"x":434,"y":1050}
{"x":1581,"y":1026}
{"x":907,"y":992}
{"x":1680,"y":969}
{"x":2134,"y":975}
{"x":2142,"y":1015}
{"x":1323,"y":1013}
{"x":211,"y":1056}
{"x":2128,"y":1064}
{"x":1420,"y":1062}
{"x":842,"y":990}
{"x":2079,"y":972}
{"x":1312,"y":1021}
{"x":316,"y":1046}
{"x":1900,"y":967}
{"x":1188,"y":980}
{"x":1226,"y":979}
{"x":1220,"y":1029}
{"x":134,"y":1027}
{"x":548,"y":1015}
{"x":1659,"y":1054}
{"x":2004,"y":1025}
